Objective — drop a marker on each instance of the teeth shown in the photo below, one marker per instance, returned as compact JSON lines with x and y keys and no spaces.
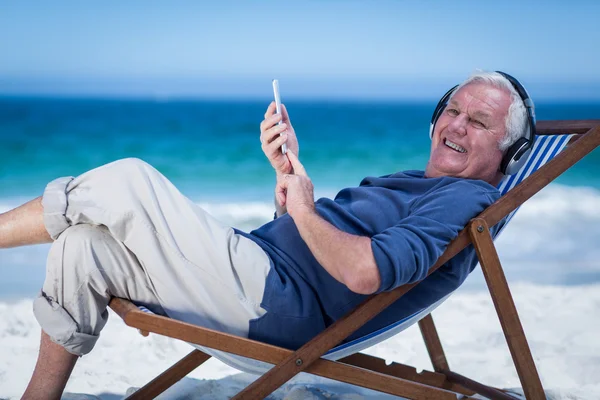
{"x":454,"y":146}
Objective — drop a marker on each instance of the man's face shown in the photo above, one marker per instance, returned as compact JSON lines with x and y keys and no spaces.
{"x":466,"y":136}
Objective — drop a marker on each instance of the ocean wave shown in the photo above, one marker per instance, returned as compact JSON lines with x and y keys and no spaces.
{"x":244,"y":216}
{"x":553,"y":239}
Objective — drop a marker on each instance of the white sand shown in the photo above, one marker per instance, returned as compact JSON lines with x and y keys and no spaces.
{"x":562,"y":325}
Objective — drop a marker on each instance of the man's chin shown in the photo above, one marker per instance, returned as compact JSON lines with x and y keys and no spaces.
{"x":436,"y":171}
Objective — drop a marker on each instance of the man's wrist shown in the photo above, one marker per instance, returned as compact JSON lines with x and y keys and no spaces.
{"x":303,"y":213}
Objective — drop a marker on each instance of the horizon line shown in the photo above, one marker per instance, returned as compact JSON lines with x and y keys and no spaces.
{"x":148,"y":97}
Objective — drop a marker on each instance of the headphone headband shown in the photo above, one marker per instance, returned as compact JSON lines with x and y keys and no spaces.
{"x":518,"y":152}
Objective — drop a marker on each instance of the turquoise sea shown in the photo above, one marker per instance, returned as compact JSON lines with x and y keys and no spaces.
{"x":211,"y":151}
{"x":211,"y":148}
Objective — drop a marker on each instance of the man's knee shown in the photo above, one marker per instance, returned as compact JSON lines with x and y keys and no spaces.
{"x":82,"y":237}
{"x":131,"y":168}
{"x":121,"y":179}
{"x":81,"y":250}
{"x":132,"y":164}
{"x":118,"y":171}
{"x":71,"y":307}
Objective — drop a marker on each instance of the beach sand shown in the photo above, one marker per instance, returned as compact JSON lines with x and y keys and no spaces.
{"x":561,"y":324}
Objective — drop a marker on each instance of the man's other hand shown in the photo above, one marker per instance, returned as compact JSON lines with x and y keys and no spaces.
{"x":271,"y":141}
{"x":295,"y":191}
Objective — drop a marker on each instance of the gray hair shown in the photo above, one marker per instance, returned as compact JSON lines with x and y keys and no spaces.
{"x":516,"y":119}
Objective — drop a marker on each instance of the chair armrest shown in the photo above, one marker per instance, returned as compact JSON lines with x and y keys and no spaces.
{"x":124,"y":308}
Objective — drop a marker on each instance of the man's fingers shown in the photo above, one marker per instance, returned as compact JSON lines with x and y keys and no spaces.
{"x":284,"y":113}
{"x":269,"y":138}
{"x":272,"y":133}
{"x":273,"y":149}
{"x":298,"y":167}
{"x":269,"y":121}
{"x":270,"y":117}
{"x":281,"y":190}
{"x":270,"y":110}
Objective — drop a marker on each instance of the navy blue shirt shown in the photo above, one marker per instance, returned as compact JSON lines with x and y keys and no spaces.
{"x":410,"y":220}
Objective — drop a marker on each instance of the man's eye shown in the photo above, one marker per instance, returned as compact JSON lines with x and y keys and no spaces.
{"x":452,"y":112}
{"x":479,"y":124}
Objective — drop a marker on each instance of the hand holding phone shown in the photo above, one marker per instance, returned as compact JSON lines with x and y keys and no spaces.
{"x":278,"y":108}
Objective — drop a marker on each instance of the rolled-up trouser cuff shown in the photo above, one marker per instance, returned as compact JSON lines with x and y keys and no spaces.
{"x":55,"y":204}
{"x":60,"y":327}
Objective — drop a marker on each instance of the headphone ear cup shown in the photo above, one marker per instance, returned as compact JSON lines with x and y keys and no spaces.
{"x":517,"y":154}
{"x":515,"y":157}
{"x":441,"y":105}
{"x":436,"y":116}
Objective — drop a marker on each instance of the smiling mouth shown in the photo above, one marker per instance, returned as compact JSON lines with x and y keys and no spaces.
{"x":455,"y":146}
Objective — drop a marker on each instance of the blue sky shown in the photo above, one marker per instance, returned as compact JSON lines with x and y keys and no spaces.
{"x":362,"y":49}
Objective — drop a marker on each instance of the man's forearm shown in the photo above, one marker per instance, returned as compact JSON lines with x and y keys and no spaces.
{"x":348,"y":258}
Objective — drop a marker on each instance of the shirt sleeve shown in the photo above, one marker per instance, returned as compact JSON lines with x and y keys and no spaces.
{"x":405,"y":252}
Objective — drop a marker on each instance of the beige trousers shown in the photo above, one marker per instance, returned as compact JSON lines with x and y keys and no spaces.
{"x":124,"y":230}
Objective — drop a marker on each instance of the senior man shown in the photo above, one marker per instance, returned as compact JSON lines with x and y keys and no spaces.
{"x":124,"y":230}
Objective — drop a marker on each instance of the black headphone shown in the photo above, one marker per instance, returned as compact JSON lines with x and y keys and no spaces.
{"x":517,"y":154}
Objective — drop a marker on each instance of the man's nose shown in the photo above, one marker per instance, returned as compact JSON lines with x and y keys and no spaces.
{"x":459,"y":124}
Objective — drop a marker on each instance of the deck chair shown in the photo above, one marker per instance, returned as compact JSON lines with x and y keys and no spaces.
{"x":344,"y":363}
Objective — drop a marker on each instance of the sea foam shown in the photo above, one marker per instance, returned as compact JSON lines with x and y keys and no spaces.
{"x":553,"y":239}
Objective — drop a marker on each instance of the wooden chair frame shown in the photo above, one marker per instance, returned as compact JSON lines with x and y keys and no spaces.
{"x":371,"y":372}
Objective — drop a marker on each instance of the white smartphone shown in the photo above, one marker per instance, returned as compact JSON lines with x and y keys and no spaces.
{"x":278,"y":108}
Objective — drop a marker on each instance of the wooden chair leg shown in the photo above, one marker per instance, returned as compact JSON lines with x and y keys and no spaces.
{"x":440,"y":364}
{"x":433,"y":344}
{"x":171,"y":376}
{"x":506,"y":310}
